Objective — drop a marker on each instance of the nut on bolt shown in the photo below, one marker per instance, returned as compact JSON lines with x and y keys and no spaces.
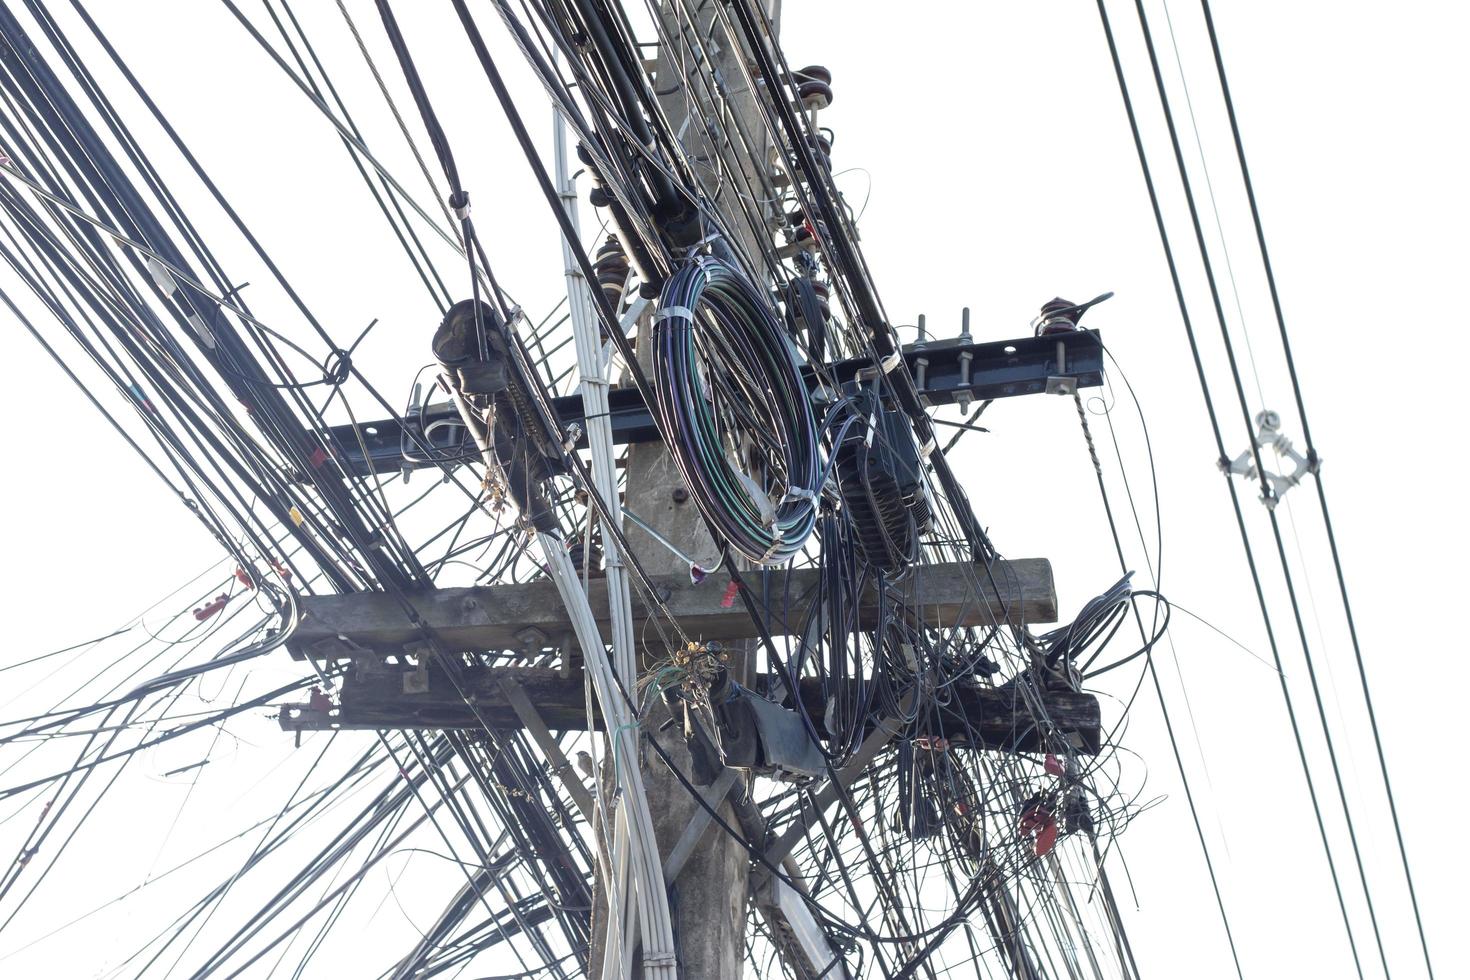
{"x":680,"y":494}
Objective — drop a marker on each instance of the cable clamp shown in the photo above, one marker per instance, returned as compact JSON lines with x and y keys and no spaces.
{"x":460,"y":203}
{"x":892,"y":361}
{"x":673,"y":311}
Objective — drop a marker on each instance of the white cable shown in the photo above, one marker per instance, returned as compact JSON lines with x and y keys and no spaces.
{"x":634,"y":855}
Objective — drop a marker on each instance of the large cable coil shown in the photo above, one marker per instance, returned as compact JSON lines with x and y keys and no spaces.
{"x":735,"y":410}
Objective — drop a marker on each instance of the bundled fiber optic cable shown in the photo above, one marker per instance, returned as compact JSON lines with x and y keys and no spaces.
{"x":736,"y":411}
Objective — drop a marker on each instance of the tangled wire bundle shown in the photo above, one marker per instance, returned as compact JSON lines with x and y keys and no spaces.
{"x":735,"y":410}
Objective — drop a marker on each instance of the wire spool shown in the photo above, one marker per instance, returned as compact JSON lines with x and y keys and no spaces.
{"x":611,"y":267}
{"x":735,"y":410}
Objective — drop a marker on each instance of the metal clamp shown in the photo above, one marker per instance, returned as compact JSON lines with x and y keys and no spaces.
{"x":1061,"y":383}
{"x":1269,"y":436}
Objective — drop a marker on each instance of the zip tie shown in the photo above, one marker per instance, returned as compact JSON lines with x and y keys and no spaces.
{"x":798,"y":493}
{"x":890,"y":362}
{"x":928,"y":447}
{"x":706,"y":240}
{"x":775,"y":547}
{"x":672,"y":311}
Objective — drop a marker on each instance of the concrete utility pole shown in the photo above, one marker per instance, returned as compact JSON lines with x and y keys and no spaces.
{"x":693,"y":897}
{"x":709,"y":897}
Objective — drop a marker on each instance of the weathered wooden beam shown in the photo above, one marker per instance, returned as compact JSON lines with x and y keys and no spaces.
{"x":990,"y":717}
{"x":501,"y":617}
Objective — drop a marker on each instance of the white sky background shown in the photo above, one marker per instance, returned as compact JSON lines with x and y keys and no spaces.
{"x":1002,"y":174}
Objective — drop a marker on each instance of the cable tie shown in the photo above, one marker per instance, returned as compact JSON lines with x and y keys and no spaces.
{"x":927,"y":448}
{"x":672,"y":311}
{"x":890,"y":362}
{"x":706,"y":240}
{"x":798,"y":493}
{"x":775,"y":547}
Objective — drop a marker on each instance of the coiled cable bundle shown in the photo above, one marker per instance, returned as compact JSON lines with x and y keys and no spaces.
{"x":736,"y":411}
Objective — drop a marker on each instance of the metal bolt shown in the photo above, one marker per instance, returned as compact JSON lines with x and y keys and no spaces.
{"x":680,"y":495}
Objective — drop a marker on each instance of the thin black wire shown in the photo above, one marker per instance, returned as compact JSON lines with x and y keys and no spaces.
{"x":1240,"y":520}
{"x":1267,"y":492}
{"x":1312,"y":458}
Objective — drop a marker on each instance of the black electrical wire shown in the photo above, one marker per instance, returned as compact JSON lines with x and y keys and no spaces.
{"x":1240,"y":519}
{"x":1267,"y":491}
{"x":1312,"y":459}
{"x":885,"y":860}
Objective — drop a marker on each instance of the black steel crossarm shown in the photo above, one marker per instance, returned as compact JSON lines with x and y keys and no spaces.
{"x":955,"y":372}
